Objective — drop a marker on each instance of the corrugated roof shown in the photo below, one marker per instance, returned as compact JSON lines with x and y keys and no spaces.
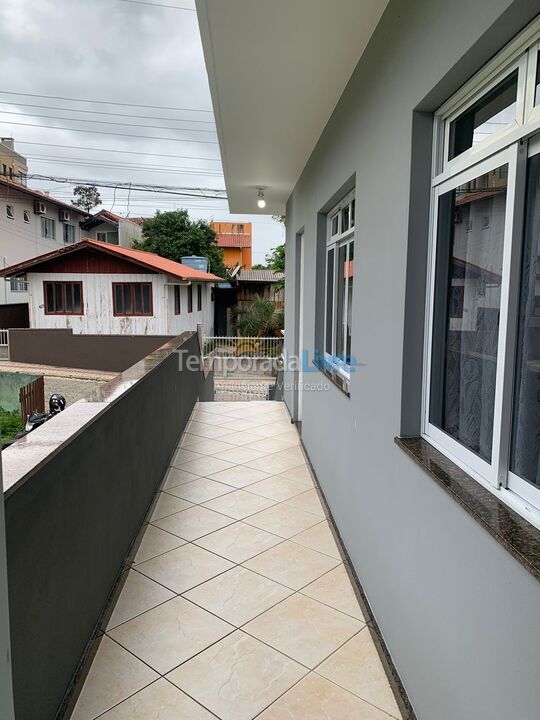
{"x":233,"y":240}
{"x":12,"y":185}
{"x":141,"y":257}
{"x":264,"y":276}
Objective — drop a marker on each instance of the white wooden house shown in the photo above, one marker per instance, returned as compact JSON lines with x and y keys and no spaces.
{"x":93,"y":287}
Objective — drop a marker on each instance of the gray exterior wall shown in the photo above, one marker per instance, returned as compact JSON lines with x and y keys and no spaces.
{"x":458,"y":613}
{"x":72,"y":519}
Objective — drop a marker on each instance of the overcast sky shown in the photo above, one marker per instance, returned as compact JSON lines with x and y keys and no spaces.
{"x":127,"y":52}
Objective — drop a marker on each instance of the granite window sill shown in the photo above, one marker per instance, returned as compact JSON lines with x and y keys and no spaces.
{"x":334,"y":378}
{"x":513,"y":532}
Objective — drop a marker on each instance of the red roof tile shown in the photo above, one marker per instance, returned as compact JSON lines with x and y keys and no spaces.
{"x":141,"y":257}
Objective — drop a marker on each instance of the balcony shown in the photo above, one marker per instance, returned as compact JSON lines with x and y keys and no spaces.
{"x":170,"y":557}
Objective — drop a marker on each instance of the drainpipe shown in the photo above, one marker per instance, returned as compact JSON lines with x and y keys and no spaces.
{"x":6,"y":688}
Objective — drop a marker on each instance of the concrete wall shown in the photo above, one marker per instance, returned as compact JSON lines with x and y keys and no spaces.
{"x":62,"y":348}
{"x":20,"y":240}
{"x":458,"y":613}
{"x":71,"y":521}
{"x":6,"y":688}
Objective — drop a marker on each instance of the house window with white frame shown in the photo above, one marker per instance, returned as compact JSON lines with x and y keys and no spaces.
{"x":48,"y":228}
{"x":69,"y":234}
{"x":10,"y":212}
{"x":482,"y":355}
{"x":339,"y":289}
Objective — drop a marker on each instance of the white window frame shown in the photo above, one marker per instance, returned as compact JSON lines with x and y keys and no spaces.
{"x":18,"y":285}
{"x":26,"y":216}
{"x":10,"y":212}
{"x":334,"y":242}
{"x":44,"y":221}
{"x":65,"y":232}
{"x":507,"y":146}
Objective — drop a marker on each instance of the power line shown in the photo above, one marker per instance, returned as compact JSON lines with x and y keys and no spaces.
{"x":103,"y":102}
{"x":124,"y":152}
{"x":85,"y":162}
{"x":103,"y":112}
{"x":173,"y":7}
{"x":100,"y":122}
{"x":104,"y":132}
{"x":165,"y":189}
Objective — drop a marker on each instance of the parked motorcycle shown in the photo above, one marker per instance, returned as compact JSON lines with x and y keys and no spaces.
{"x":57,"y":403}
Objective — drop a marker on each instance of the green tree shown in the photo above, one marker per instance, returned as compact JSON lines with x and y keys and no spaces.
{"x":172,"y":235}
{"x":259,"y":266}
{"x":276,"y":262}
{"x":262,"y":318}
{"x":86,"y":197}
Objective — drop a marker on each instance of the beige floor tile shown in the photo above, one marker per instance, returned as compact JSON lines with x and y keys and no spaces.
{"x":189,"y":439}
{"x":239,"y":476}
{"x":156,"y":542}
{"x":237,"y":677}
{"x":274,"y":444}
{"x":183,"y":568}
{"x":239,"y":455}
{"x":239,"y":425}
{"x":170,"y":634}
{"x":308,"y":501}
{"x":200,"y":490}
{"x":167,"y":504}
{"x":300,"y":474}
{"x":271,"y":429}
{"x":292,"y":565}
{"x":314,"y":698}
{"x":206,"y":465}
{"x":197,"y":521}
{"x":114,"y":675}
{"x":303,"y":629}
{"x":183,"y":455}
{"x":208,"y":446}
{"x":159,"y":701}
{"x":356,"y":667}
{"x":239,"y":504}
{"x":335,"y":589}
{"x":277,"y":488}
{"x":239,"y":542}
{"x":276,"y":463}
{"x":207,"y":431}
{"x":210,"y":418}
{"x":320,"y":538}
{"x":238,"y":595}
{"x":138,"y":594}
{"x":177,"y":477}
{"x":283,"y":520}
{"x":239,"y":438}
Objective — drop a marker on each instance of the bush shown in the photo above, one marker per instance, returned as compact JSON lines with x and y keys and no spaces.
{"x":10,"y":424}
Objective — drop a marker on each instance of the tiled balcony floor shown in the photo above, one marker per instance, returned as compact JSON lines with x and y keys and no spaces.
{"x":237,"y":605}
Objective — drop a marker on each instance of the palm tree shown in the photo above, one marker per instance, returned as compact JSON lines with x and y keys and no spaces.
{"x":263,"y":318}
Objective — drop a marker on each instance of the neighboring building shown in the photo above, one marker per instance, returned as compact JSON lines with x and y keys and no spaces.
{"x":111,"y":228}
{"x":94,"y":287}
{"x":12,"y":165}
{"x":31,"y":223}
{"x":258,"y":282}
{"x":235,"y":240}
{"x":404,"y":149}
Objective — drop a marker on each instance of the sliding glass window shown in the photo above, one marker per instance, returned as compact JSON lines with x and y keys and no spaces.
{"x":481,"y":395}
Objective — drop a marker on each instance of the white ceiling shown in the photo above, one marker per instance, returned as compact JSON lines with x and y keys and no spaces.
{"x":276,"y":70}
